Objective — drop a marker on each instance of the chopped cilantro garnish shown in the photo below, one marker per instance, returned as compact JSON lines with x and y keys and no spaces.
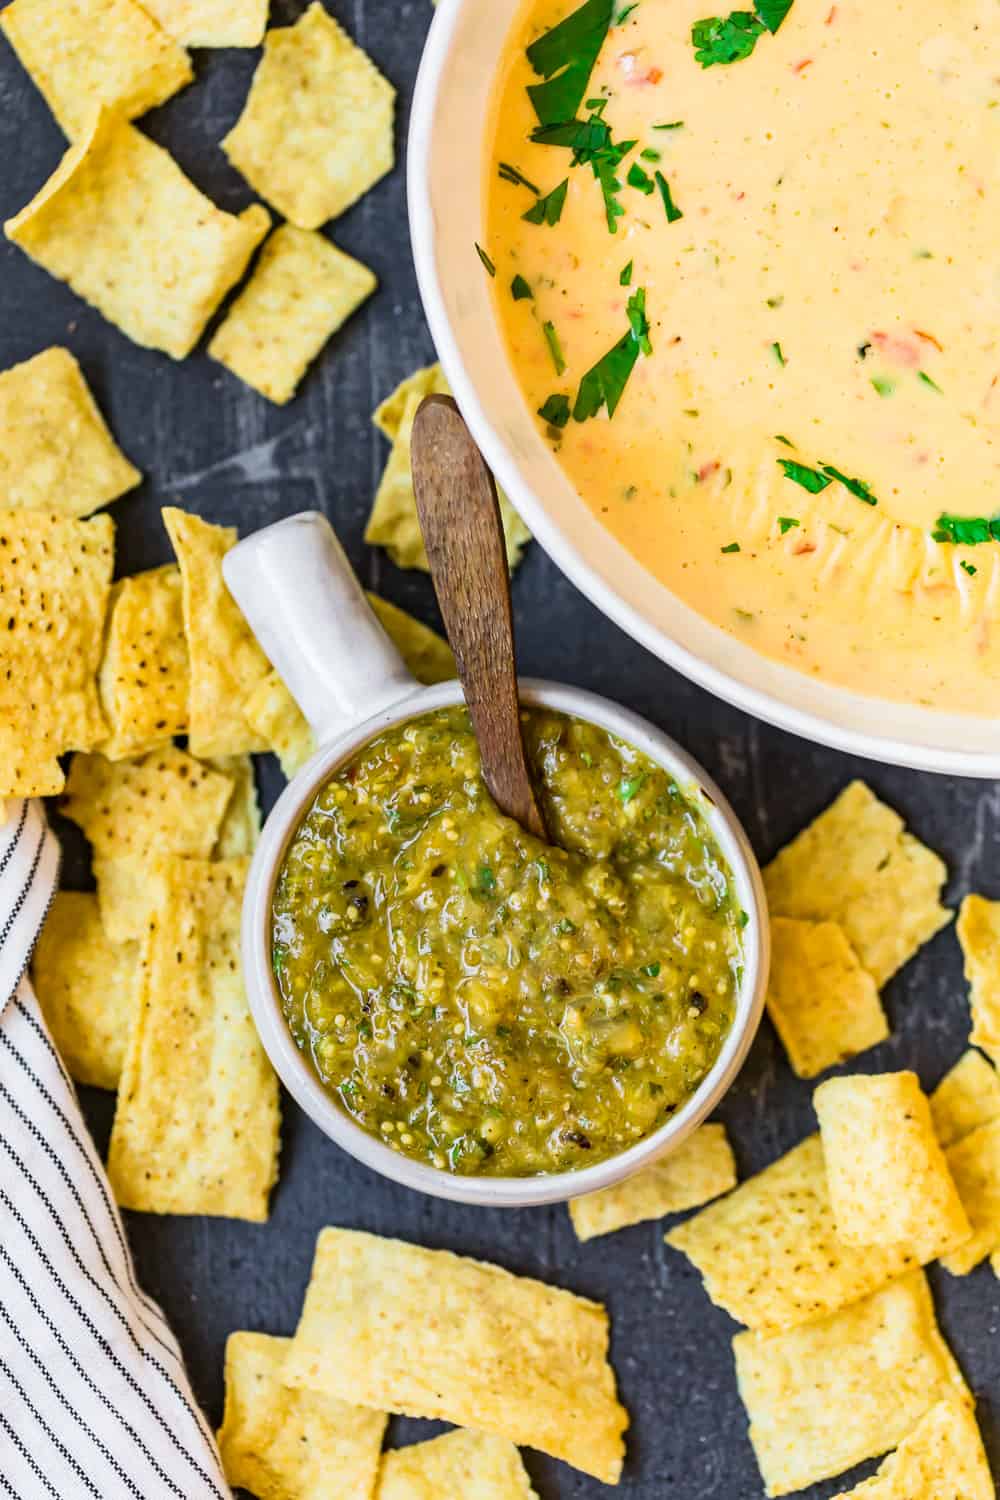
{"x":673,"y":212}
{"x":585,"y":137}
{"x":638,"y":321}
{"x":779,"y":437}
{"x":604,"y":171}
{"x":548,"y":209}
{"x":597,"y":105}
{"x":552,"y":339}
{"x":725,"y":39}
{"x":520,"y":290}
{"x":491,"y":268}
{"x":785,"y":523}
{"x":884,"y":386}
{"x":604,"y":384}
{"x":968,"y":567}
{"x":857,"y":487}
{"x":967,"y":531}
{"x":773,"y":12}
{"x":556,"y":411}
{"x":639,"y":178}
{"x":670,"y":125}
{"x":565,"y":58}
{"x":923,"y":376}
{"x":733,"y":547}
{"x":625,"y":12}
{"x":653,"y":970}
{"x":625,"y":279}
{"x":629,"y":786}
{"x":649,"y":153}
{"x":810,"y":479}
{"x":779,"y":355}
{"x":507,"y":173}
{"x":486,"y":881}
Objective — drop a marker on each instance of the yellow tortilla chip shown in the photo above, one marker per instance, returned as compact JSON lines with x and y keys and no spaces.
{"x":461,"y":1465}
{"x":120,"y":222}
{"x":86,"y":987}
{"x":212,"y":23}
{"x":770,"y":1253}
{"x":967,"y":1097}
{"x":196,"y":1128}
{"x":856,"y":865}
{"x":701,"y":1169}
{"x":506,"y":1355}
{"x":144,"y":677}
{"x":56,"y":453}
{"x":127,"y":891}
{"x":292,"y":1445}
{"x":55,"y":580}
{"x":393,"y":523}
{"x":86,"y":53}
{"x":273,"y":713}
{"x":979,"y":935}
{"x":941,"y":1459}
{"x":317,"y":128}
{"x":302,"y":290}
{"x":975,"y":1165}
{"x":888,"y":1178}
{"x":824,"y":1005}
{"x":166,"y":803}
{"x":226,"y":661}
{"x":240,"y":828}
{"x":826,"y":1397}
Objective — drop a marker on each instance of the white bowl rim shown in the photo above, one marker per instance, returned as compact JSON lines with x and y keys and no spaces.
{"x":559,"y":546}
{"x":297,"y":1072}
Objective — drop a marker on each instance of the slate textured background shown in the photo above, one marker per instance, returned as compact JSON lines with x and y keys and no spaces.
{"x":209,"y":444}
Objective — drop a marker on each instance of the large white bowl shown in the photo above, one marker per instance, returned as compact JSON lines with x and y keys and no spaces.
{"x":445,"y":173}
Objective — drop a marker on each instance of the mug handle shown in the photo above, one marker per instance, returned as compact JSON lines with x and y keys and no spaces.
{"x":304,"y":604}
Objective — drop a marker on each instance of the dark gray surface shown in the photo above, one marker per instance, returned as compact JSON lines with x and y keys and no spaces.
{"x":213,"y":446}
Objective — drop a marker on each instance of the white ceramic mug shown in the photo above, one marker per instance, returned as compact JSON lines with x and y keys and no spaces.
{"x":307,"y":609}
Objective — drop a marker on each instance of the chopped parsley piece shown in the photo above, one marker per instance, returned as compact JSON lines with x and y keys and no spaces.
{"x":733,"y":547}
{"x":969,"y":568}
{"x":625,"y":279}
{"x":556,"y":411}
{"x":548,"y":209}
{"x":552,"y":339}
{"x":565,"y":58}
{"x":785,"y":523}
{"x":725,"y":39}
{"x":508,"y":173}
{"x":673,"y":212}
{"x":926,"y":379}
{"x":856,"y":487}
{"x":630,"y":786}
{"x":639,"y":178}
{"x":884,"y":386}
{"x":670,"y":125}
{"x":967,"y":531}
{"x":604,"y":384}
{"x":810,"y":479}
{"x":779,"y":355}
{"x":520,"y":290}
{"x":491,"y":268}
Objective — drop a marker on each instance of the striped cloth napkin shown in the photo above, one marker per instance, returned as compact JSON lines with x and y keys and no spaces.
{"x":94,"y":1398}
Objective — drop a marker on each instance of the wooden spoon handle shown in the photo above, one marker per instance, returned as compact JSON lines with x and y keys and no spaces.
{"x":460,"y":518}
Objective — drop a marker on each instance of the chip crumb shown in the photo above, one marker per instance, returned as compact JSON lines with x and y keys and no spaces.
{"x":316,"y":132}
{"x":212,"y":23}
{"x":967,"y":1097}
{"x":700,"y":1169}
{"x":302,"y":290}
{"x":827,"y":1396}
{"x":56,"y":453}
{"x":292,"y":1445}
{"x":825,"y":1007}
{"x":979,"y":935}
{"x":144,"y":677}
{"x":857,"y":866}
{"x":888,"y":1178}
{"x":461,"y":1465}
{"x":941,"y":1459}
{"x":122,"y":225}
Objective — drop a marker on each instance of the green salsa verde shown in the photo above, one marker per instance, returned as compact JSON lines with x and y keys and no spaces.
{"x":485,"y":1003}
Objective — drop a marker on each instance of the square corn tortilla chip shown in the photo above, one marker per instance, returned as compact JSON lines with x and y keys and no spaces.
{"x":226,"y":661}
{"x":292,"y":1445}
{"x":121,"y":224}
{"x":86,"y":986}
{"x":824,"y":1005}
{"x":55,"y":580}
{"x":317,"y":128}
{"x":86,"y":53}
{"x":56,"y":453}
{"x":979,"y":935}
{"x":240,"y":828}
{"x":212,"y":23}
{"x":196,"y":1128}
{"x":770,"y":1253}
{"x":393,"y":523}
{"x":463,"y":1465}
{"x":144,"y":678}
{"x":941,"y":1459}
{"x":975,"y":1165}
{"x":701,"y":1169}
{"x":857,"y":866}
{"x":302,"y":290}
{"x":432,"y":1334}
{"x":828,"y":1396}
{"x":273,"y":713}
{"x":888,"y":1178}
{"x":166,"y":803}
{"x":967,"y":1097}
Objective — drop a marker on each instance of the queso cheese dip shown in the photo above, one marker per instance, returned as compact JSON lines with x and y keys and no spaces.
{"x":774,"y":256}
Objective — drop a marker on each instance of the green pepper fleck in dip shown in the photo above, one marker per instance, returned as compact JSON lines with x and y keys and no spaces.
{"x":482,"y":1002}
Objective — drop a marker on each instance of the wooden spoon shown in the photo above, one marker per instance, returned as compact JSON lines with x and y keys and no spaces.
{"x":463,"y":534}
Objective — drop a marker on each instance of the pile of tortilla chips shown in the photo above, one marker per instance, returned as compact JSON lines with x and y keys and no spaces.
{"x":514,"y":1360}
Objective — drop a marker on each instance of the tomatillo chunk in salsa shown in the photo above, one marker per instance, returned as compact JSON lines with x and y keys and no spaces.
{"x":481,"y":1001}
